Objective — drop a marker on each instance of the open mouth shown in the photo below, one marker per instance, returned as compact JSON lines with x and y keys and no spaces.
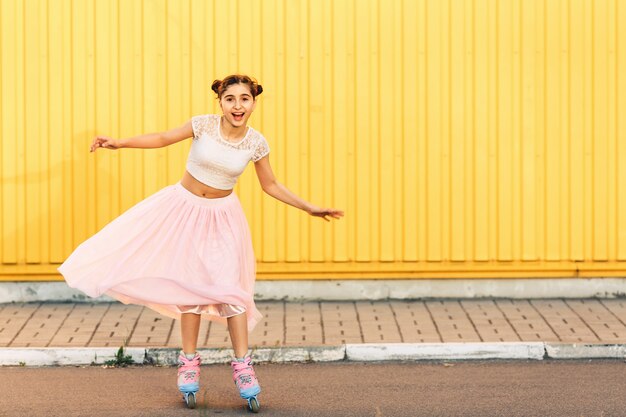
{"x":238,"y":116}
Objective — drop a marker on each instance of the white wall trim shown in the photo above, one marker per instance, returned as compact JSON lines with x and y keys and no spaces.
{"x":311,"y":290}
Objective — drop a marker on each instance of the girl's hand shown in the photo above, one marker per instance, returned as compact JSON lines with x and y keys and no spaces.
{"x":104,"y":142}
{"x":323,"y":212}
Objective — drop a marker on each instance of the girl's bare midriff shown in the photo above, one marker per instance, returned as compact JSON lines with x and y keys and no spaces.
{"x":201,"y":189}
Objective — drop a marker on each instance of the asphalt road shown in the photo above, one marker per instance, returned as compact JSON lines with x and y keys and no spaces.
{"x":435,"y":388}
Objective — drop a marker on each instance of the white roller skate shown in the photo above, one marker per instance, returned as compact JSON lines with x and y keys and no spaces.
{"x":247,"y":382}
{"x":189,"y":378}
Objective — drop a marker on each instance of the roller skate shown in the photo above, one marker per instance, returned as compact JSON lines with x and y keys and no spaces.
{"x":189,"y":378}
{"x":247,"y":382}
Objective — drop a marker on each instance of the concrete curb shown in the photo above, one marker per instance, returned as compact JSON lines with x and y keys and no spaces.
{"x":161,"y":356}
{"x":582,"y":350}
{"x":417,"y":351}
{"x":56,"y":356}
{"x":352,"y":352}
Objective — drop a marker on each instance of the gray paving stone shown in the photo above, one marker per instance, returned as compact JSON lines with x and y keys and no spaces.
{"x":325,"y":323}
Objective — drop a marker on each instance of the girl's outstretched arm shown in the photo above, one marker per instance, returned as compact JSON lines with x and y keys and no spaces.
{"x":147,"y":141}
{"x":280,"y":192}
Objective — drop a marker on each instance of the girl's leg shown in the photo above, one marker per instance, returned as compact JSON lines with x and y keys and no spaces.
{"x":243,"y":372}
{"x":238,"y":329}
{"x":189,"y":328}
{"x":189,"y":360}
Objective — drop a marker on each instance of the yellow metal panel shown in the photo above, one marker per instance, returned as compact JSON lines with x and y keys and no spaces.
{"x":329,"y":117}
{"x":398,"y":145}
{"x":114,"y":35}
{"x":463,"y":139}
{"x":32,"y":129}
{"x":504,"y":115}
{"x":458,"y":109}
{"x":201,"y":50}
{"x":516,"y":151}
{"x":348,"y":229}
{"x":444,"y":130}
{"x":281,"y":139}
{"x":564,"y":133}
{"x":20,"y":149}
{"x":292,"y":165}
{"x":178,"y":62}
{"x":58,"y":235}
{"x":492,"y":119}
{"x":340,"y":123}
{"x":316,"y":132}
{"x":2,"y":158}
{"x":106,"y":181}
{"x":620,"y":155}
{"x":90,"y":187}
{"x":129,"y":106}
{"x":149,"y":93}
{"x":481,"y":132}
{"x":268,"y":252}
{"x":540,"y":112}
{"x":600,"y":132}
{"x":66,"y":134}
{"x":35,"y":151}
{"x":434,"y":73}
{"x":306,"y":222}
{"x":221,"y":21}
{"x":576,"y":128}
{"x":553,"y":133}
{"x":408,"y":188}
{"x":611,"y":132}
{"x":388,"y":270}
{"x":528,"y":186}
{"x":377,"y":89}
{"x":43,"y":163}
{"x":78,"y":170}
{"x":9,"y":50}
{"x":251,"y":42}
{"x":421,"y":133}
{"x":468,"y":212}
{"x":588,"y":117}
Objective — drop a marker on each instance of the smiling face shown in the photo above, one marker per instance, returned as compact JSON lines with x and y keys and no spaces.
{"x":237,"y":104}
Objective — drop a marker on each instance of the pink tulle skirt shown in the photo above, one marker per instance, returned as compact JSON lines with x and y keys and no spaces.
{"x":174,"y":252}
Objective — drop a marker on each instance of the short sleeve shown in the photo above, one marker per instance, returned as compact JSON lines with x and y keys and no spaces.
{"x":262,"y":149}
{"x":199,"y":125}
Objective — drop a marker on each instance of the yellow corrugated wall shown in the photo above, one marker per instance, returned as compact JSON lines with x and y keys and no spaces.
{"x":475,"y":138}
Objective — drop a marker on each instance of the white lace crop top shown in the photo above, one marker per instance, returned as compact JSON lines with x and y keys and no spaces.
{"x":218,"y":162}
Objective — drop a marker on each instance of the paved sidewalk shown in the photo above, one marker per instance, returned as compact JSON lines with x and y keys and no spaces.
{"x":589,"y":321}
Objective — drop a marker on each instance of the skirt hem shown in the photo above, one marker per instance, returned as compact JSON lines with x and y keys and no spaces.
{"x":172,"y":252}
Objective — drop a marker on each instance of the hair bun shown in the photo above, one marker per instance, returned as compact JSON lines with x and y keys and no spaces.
{"x":216,"y":86}
{"x":220,"y":86}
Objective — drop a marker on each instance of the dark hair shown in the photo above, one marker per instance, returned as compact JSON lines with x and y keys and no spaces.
{"x":219,"y":86}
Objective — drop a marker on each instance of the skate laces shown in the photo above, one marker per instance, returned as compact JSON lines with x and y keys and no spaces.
{"x":245,"y":379}
{"x":243,"y":373}
{"x":188,"y":369}
{"x":185,"y":363}
{"x":189,"y":376}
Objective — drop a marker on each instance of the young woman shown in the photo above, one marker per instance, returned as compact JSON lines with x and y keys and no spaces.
{"x":186,"y":251}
